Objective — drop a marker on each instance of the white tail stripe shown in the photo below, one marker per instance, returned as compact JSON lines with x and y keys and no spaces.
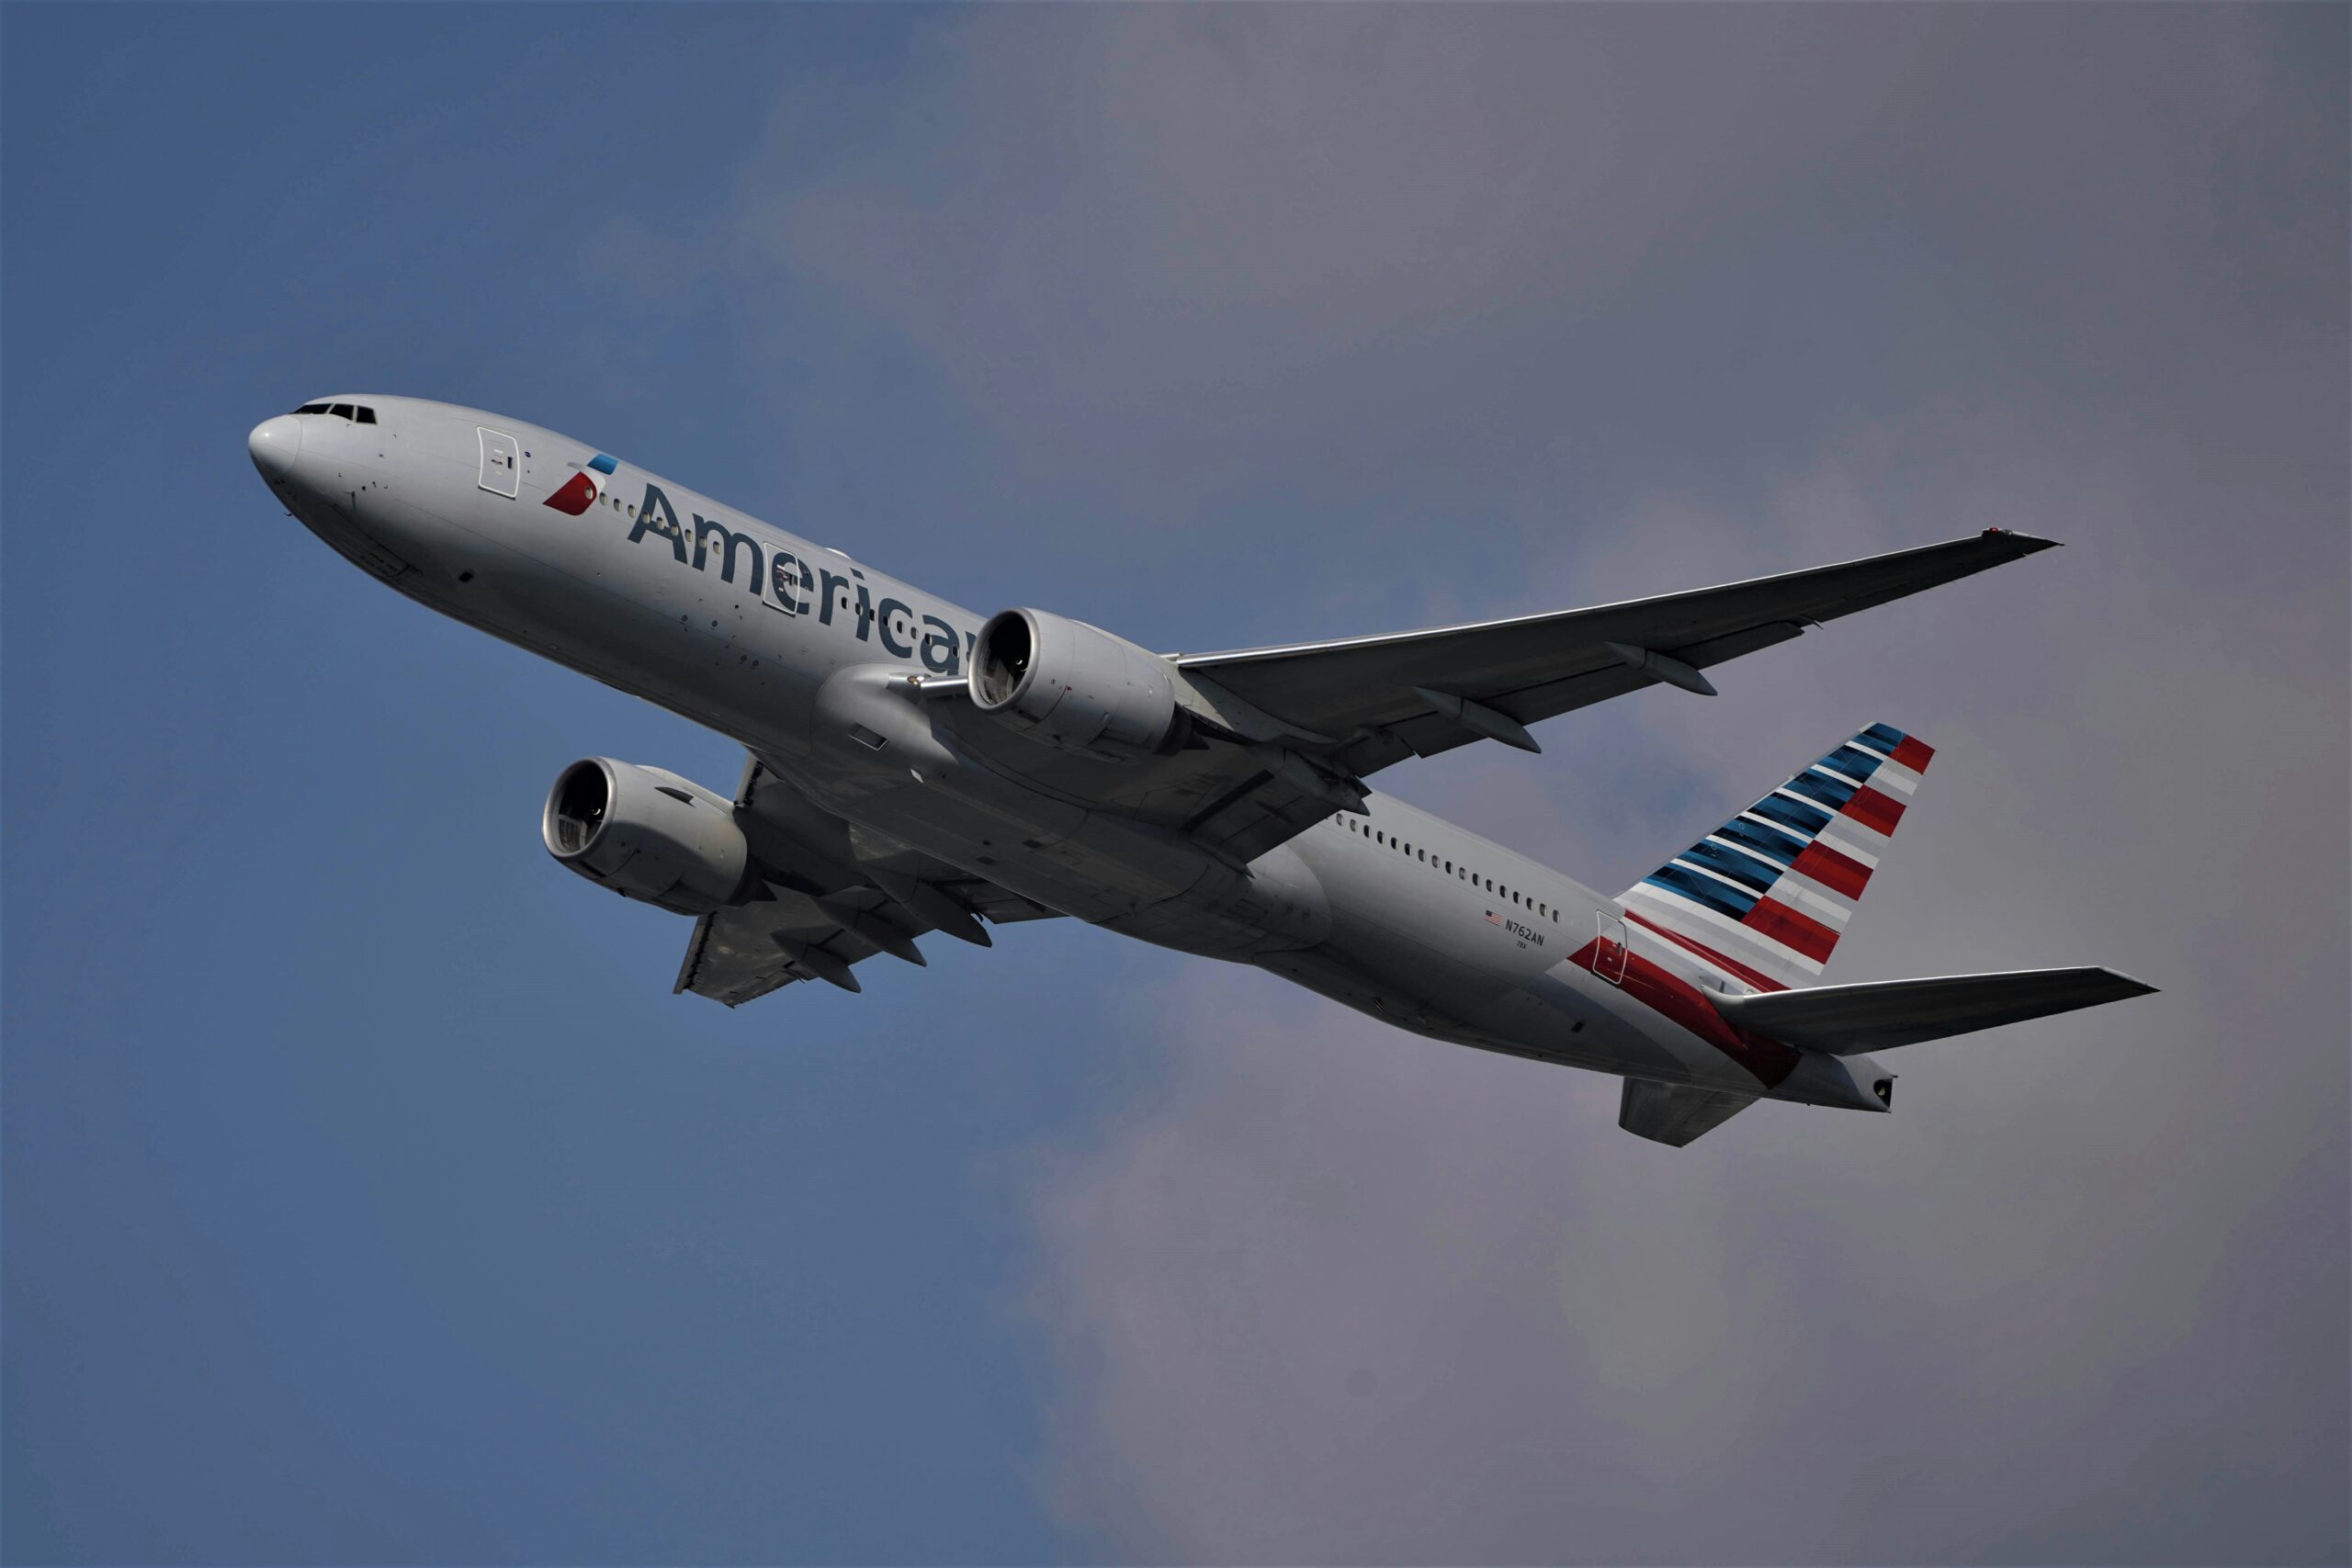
{"x":1766,"y":954}
{"x":1847,"y":848}
{"x":1896,"y":776}
{"x":1803,"y":890}
{"x":1848,"y":836}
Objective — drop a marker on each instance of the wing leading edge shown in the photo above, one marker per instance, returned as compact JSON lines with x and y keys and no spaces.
{"x":1358,"y":704}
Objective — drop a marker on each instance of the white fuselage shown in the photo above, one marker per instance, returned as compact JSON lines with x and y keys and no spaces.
{"x":790,"y":648}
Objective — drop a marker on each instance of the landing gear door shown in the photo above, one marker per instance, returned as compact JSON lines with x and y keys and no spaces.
{"x":502,"y":470}
{"x":1609,"y":947}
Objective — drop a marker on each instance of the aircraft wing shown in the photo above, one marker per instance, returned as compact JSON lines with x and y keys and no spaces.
{"x":1534,"y":667}
{"x":1351,"y":706}
{"x":837,"y":896}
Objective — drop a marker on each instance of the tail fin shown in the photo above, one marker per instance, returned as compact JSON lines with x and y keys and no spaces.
{"x":1765,"y":897}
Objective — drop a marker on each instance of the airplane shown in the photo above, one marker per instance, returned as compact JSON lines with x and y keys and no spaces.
{"x":912,"y":767}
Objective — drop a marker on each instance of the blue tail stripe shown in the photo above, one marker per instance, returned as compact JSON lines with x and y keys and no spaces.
{"x":1744,"y":862}
{"x":1703,"y":890}
{"x":1737,"y":864}
{"x":1821,"y":787}
{"x":1855,"y":763}
{"x":1792,"y":814}
{"x":1763,"y":841}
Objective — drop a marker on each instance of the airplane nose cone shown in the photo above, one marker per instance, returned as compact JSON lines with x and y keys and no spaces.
{"x":275,"y":444}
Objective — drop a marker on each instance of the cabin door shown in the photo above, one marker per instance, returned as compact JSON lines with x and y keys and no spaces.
{"x":1609,"y":947}
{"x":501,"y":470}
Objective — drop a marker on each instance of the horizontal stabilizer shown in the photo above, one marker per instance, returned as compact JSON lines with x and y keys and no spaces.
{"x":1847,"y":1020}
{"x":1675,"y":1114}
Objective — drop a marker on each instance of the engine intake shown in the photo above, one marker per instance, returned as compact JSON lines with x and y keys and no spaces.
{"x":1075,"y":687}
{"x":648,"y":835}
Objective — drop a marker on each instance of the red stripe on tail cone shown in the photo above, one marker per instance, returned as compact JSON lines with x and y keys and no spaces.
{"x":1915,"y":755}
{"x":1872,"y":809}
{"x":1676,"y":998}
{"x":1839,"y":874}
{"x":1775,"y":920}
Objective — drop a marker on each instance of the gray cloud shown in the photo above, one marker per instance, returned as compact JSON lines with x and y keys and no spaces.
{"x":1452,"y":312}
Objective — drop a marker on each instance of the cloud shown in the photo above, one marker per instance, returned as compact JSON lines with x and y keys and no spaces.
{"x":1347,"y":1296}
{"x":1438,"y":312}
{"x":1183,"y":257}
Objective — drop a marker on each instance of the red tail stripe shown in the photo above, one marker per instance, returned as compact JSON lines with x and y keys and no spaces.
{"x":1872,"y":809}
{"x":1728,"y":965}
{"x":1839,"y":874}
{"x":1785,"y":926}
{"x":1915,"y":755}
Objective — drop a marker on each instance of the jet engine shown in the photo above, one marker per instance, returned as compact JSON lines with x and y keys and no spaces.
{"x":648,"y":835}
{"x":1075,"y":687}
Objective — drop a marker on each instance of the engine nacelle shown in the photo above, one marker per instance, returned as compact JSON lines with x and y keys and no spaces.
{"x":1075,"y":686}
{"x":647,"y":834}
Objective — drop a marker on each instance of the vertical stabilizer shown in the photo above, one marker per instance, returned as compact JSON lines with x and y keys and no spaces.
{"x":1765,"y":897}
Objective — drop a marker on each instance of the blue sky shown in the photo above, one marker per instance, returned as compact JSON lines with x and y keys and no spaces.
{"x":369,"y":1198}
{"x":350,"y":1218}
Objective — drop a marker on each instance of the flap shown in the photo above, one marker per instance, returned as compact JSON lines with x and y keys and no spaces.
{"x":836,"y":899}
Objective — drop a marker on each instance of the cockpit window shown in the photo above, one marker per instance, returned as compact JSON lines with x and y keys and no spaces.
{"x":343,"y":409}
{"x":366,"y":415}
{"x":311,"y":408}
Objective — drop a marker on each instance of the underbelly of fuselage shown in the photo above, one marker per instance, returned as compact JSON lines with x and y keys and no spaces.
{"x":1303,"y":911}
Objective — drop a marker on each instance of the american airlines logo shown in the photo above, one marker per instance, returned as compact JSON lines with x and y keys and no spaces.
{"x":785,"y":583}
{"x":584,"y":489}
